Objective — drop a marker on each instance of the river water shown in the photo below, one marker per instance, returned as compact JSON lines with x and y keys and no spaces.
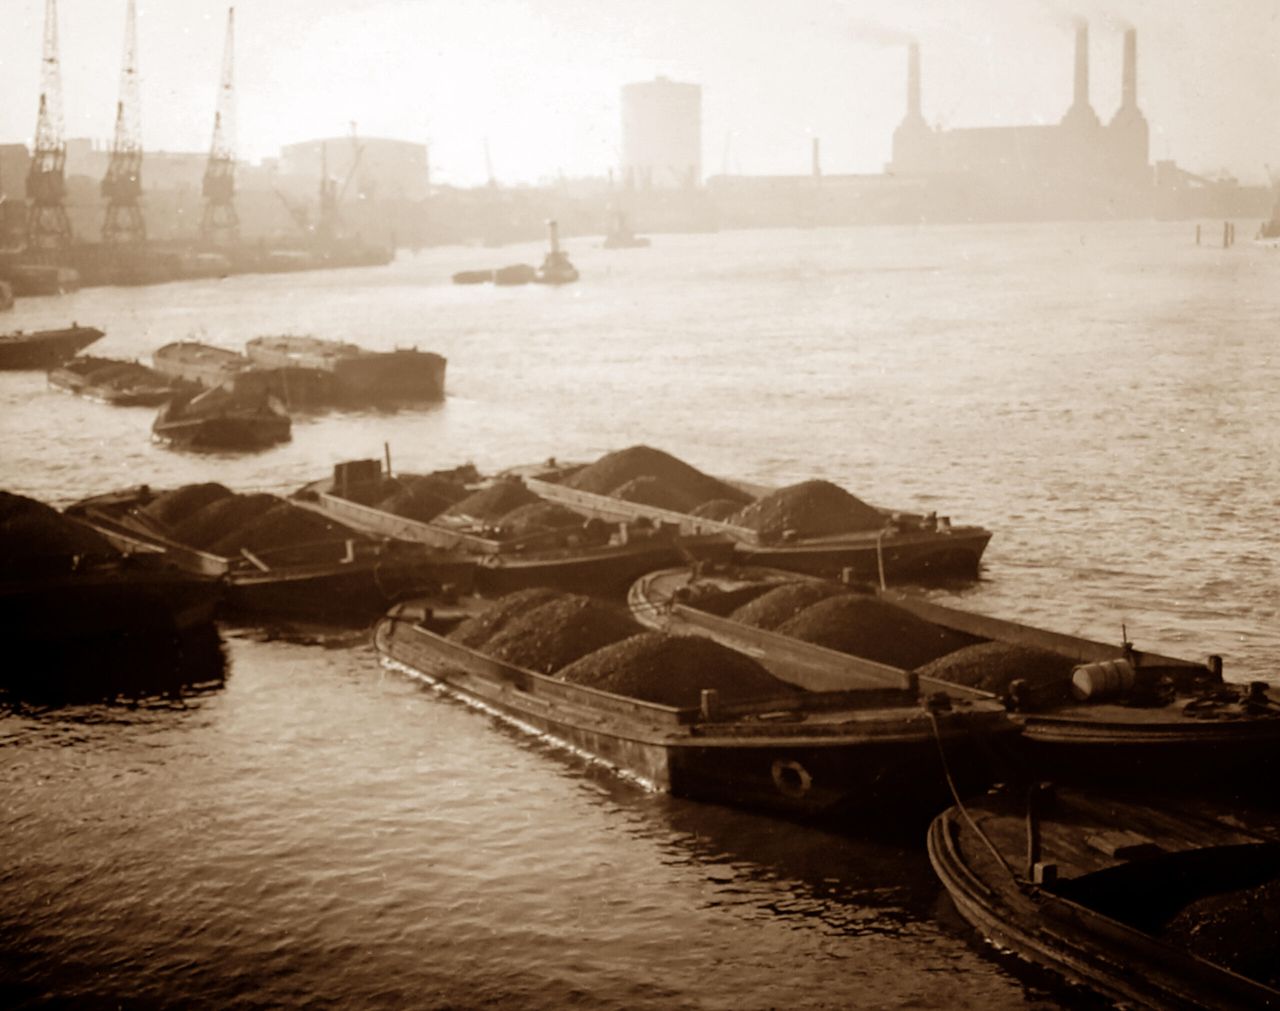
{"x":321,"y":831}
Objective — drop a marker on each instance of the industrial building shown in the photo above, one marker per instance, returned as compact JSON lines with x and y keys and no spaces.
{"x":661,"y":135}
{"x":1078,"y":165}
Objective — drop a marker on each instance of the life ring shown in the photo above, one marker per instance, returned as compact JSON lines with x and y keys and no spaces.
{"x":791,"y":778}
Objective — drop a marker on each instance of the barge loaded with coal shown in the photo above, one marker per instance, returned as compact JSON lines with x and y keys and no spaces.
{"x":1090,"y":712}
{"x":687,"y":716}
{"x":273,"y":557}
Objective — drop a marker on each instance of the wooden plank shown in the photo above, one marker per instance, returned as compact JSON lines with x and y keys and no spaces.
{"x":615,"y":510}
{"x":1002,"y":630}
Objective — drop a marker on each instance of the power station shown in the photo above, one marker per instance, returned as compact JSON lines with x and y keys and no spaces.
{"x":1078,"y":152}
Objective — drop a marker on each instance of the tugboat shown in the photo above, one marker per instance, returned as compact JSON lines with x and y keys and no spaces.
{"x":620,"y":235}
{"x":44,"y":348}
{"x":556,"y":268}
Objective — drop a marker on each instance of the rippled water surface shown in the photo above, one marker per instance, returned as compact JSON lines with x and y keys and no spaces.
{"x":324,"y":832}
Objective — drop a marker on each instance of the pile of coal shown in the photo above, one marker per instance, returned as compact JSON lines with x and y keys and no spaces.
{"x":537,"y":517}
{"x":211,"y":518}
{"x":993,"y":666}
{"x":778,"y":605}
{"x":655,"y":478}
{"x":672,"y":670}
{"x":491,"y":503}
{"x":33,"y":534}
{"x":419,"y":497}
{"x":544,"y":630}
{"x":558,"y":632}
{"x":868,"y":627}
{"x":810,"y":509}
{"x":171,"y":507}
{"x":480,"y":628}
{"x":1238,"y":929}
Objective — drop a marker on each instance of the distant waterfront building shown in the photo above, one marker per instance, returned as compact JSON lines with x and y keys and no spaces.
{"x":1077,"y":163}
{"x":394,"y":169}
{"x":661,"y":134}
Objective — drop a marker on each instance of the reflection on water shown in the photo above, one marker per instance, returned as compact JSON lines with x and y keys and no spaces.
{"x":322,"y":832}
{"x":126,"y":666}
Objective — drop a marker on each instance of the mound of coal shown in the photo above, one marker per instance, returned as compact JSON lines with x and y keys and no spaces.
{"x":812,"y":509}
{"x":534,"y":517}
{"x":31,"y":530}
{"x":490,"y":503}
{"x":648,"y":490}
{"x":1239,"y":929}
{"x":992,"y":666}
{"x":716,"y":509}
{"x":221,"y":518}
{"x":613,"y":470}
{"x":782,"y":603}
{"x":715,"y":599}
{"x":672,"y":670}
{"x":872,"y":628}
{"x":422,"y":497}
{"x":284,"y":525}
{"x":558,"y":632}
{"x":172,"y":507}
{"x":480,"y":628}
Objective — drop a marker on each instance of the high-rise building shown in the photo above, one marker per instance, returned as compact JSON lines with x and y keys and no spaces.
{"x":661,"y":134}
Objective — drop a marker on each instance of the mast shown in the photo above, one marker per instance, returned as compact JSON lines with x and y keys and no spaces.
{"x":122,"y":185}
{"x":48,"y":228}
{"x":220,"y":223}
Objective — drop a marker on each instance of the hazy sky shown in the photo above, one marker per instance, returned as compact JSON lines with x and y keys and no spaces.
{"x":539,"y":79}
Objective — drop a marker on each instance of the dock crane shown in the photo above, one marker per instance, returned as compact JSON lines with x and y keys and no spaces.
{"x":122,"y":185}
{"x":48,"y":227}
{"x":220,"y":223}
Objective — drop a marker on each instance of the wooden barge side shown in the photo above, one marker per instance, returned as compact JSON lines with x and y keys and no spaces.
{"x":830,"y":754}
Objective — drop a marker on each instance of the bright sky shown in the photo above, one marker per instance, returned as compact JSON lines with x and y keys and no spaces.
{"x":539,"y":79}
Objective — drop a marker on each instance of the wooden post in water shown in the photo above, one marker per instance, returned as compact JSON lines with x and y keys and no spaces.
{"x":1197,"y":235}
{"x":1226,"y":234}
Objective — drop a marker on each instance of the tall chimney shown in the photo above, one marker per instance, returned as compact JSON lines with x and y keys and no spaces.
{"x":1081,"y":97}
{"x":913,"y":80}
{"x":1129,"y":82}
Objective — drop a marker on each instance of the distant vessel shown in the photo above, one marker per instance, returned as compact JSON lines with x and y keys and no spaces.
{"x":1269,"y":233}
{"x":222,"y":419}
{"x":44,"y":348}
{"x":357,"y":376}
{"x":125,"y":384}
{"x":556,"y":268}
{"x":620,"y":235}
{"x":198,"y":363}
